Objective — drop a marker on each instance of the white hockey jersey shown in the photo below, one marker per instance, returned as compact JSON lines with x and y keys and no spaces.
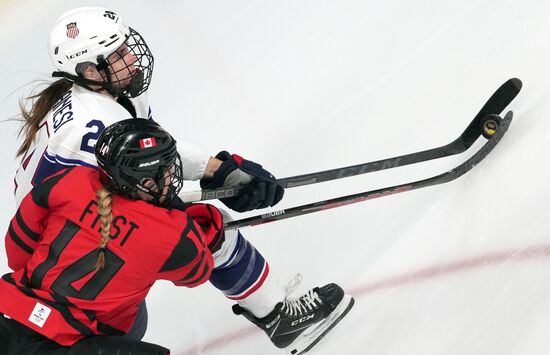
{"x":68,"y":134}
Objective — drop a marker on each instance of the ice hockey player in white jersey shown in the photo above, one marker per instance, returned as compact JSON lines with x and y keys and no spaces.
{"x":105,"y":69}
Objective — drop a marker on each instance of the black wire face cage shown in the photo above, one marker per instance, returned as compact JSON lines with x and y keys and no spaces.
{"x":162,"y":196}
{"x":130,"y":67}
{"x":176,"y":181}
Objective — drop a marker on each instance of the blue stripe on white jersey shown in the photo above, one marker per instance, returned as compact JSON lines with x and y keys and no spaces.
{"x":67,"y":162}
{"x":51,"y":164}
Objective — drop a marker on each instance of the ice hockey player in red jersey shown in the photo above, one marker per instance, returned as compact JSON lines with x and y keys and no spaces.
{"x":105,"y":69}
{"x":87,"y":244}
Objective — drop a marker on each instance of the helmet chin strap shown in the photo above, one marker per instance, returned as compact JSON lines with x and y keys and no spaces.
{"x":103,"y":68}
{"x":85,"y":83}
{"x":136,"y":84}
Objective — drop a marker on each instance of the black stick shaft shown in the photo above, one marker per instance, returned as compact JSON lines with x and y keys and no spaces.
{"x":500,"y":99}
{"x":370,"y":195}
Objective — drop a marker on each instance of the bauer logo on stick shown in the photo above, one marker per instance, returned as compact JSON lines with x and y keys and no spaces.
{"x":72,"y":30}
{"x":147,"y":143}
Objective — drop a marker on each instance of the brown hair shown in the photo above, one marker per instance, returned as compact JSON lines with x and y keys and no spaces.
{"x":41,"y":104}
{"x":106,"y":216}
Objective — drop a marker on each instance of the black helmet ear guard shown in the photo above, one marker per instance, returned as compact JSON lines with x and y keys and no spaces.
{"x":135,"y":152}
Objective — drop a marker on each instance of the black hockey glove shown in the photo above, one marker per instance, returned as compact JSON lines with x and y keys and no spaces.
{"x":262,"y":189}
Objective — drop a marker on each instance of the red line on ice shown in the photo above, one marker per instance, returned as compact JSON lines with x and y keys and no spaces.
{"x":433,"y":271}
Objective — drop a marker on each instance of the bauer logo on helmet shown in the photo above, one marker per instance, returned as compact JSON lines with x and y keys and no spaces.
{"x":149,"y":163}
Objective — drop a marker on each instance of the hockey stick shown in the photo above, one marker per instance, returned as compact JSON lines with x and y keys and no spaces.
{"x":495,"y":105}
{"x":369,"y":195}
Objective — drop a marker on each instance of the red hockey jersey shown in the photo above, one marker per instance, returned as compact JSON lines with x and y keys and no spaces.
{"x":52,"y":246}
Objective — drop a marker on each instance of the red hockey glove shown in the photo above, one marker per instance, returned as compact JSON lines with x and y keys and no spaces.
{"x":262,"y":189}
{"x":210,"y":220}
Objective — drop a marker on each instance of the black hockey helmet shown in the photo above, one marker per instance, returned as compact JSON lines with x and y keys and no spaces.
{"x":133,"y":153}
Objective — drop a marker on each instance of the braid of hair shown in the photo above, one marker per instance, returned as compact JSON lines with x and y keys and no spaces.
{"x":106,"y":216}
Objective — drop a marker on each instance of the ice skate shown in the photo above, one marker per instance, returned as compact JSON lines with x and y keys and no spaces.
{"x":298,"y":324}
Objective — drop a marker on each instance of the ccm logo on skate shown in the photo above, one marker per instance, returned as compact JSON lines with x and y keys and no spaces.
{"x":301,"y":320}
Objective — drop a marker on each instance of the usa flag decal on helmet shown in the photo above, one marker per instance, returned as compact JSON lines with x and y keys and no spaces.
{"x":147,"y":143}
{"x":72,"y":30}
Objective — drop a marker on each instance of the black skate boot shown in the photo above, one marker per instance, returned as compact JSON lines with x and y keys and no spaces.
{"x":300,"y":323}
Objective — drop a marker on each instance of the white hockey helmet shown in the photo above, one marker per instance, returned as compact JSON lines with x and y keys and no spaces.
{"x":89,"y":35}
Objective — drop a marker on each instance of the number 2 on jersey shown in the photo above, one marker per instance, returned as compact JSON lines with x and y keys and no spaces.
{"x":90,"y":138}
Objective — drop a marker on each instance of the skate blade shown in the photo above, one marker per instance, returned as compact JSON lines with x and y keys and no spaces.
{"x":310,"y":337}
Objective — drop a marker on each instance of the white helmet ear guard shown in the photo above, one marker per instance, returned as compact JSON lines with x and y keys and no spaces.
{"x":89,"y":35}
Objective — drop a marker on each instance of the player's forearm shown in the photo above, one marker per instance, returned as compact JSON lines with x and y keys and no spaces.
{"x":211,"y":167}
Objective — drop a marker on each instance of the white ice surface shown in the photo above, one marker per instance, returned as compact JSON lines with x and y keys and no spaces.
{"x":301,"y":86}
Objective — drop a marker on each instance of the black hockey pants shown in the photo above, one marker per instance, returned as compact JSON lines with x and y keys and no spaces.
{"x":16,"y":339}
